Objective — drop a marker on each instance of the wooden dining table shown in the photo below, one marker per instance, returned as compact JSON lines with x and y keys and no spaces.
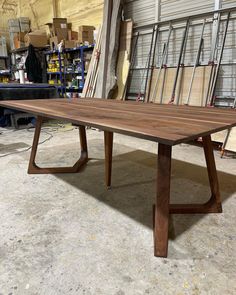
{"x":168,"y":125}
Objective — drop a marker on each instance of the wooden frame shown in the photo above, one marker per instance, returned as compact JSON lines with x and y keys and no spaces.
{"x":33,"y":168}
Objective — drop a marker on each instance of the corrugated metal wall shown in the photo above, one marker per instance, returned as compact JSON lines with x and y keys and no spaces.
{"x":175,"y":8}
{"x":145,"y":12}
{"x":142,"y":13}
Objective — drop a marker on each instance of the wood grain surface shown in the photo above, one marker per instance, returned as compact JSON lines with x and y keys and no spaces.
{"x":167,"y":124}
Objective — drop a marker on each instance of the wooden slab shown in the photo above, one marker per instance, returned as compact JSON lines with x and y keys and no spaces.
{"x":199,"y":88}
{"x":123,"y":61}
{"x":167,"y":124}
{"x":105,"y":35}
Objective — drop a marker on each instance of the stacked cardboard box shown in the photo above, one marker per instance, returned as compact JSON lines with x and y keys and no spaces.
{"x":17,"y":29}
{"x":3,"y":47}
{"x":14,"y":28}
{"x":58,"y":31}
{"x":19,"y":40}
{"x":37,"y":38}
{"x":24,"y":24}
{"x":86,"y":34}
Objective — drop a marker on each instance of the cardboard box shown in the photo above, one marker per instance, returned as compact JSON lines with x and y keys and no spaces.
{"x":70,"y":44}
{"x":86,"y":28}
{"x":13,"y":22}
{"x":59,"y":23}
{"x":19,"y":40}
{"x":72,"y":35}
{"x":36,"y":38}
{"x":3,"y":46}
{"x":86,"y":36}
{"x":53,"y":42}
{"x":24,"y":24}
{"x":52,"y":34}
{"x":24,"y":27}
{"x":62,"y":34}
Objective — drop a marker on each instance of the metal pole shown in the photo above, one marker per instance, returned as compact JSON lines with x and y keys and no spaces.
{"x":179,"y":62}
{"x":196,"y":61}
{"x":153,"y":62}
{"x":148,"y":64}
{"x":224,"y":143}
{"x":219,"y":61}
{"x":182,"y":67}
{"x":127,"y":83}
{"x":163,"y":61}
{"x":213,"y":56}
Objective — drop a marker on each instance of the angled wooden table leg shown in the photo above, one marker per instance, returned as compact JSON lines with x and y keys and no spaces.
{"x":35,"y":169}
{"x":161,"y":216}
{"x":213,"y":205}
{"x":108,"y":142}
{"x":215,"y":201}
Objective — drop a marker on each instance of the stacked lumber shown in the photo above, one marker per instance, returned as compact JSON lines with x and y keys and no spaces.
{"x":91,"y":78}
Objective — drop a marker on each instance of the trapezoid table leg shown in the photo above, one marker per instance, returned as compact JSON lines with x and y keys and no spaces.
{"x":213,"y":205}
{"x":33,"y":168}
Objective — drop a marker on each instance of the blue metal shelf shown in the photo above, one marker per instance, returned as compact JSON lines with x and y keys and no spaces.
{"x":67,"y":73}
{"x":5,"y":74}
{"x":61,"y":74}
{"x":56,"y":73}
{"x":70,"y":49}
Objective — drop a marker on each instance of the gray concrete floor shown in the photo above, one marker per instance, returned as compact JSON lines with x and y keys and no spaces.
{"x":67,"y":234}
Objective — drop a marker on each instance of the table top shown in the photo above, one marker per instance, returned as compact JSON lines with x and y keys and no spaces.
{"x":167,"y":124}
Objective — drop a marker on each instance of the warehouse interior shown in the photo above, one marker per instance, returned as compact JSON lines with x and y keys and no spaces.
{"x":117,"y":85}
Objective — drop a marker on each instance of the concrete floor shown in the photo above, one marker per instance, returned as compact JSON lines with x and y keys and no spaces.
{"x":66,"y":234}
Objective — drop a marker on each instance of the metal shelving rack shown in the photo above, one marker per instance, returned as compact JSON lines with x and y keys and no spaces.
{"x":62,"y":74}
{"x":7,"y":71}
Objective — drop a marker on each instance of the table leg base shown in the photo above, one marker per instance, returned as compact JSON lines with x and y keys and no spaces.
{"x":210,"y":206}
{"x":35,"y":169}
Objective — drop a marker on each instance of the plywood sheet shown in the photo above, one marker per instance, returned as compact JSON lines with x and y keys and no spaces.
{"x":219,"y":136}
{"x":155,"y":86}
{"x":231,"y":142}
{"x":199,"y":87}
{"x":168,"y":75}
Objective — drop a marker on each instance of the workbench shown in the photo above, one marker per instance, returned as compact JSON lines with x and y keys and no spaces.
{"x":168,"y":125}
